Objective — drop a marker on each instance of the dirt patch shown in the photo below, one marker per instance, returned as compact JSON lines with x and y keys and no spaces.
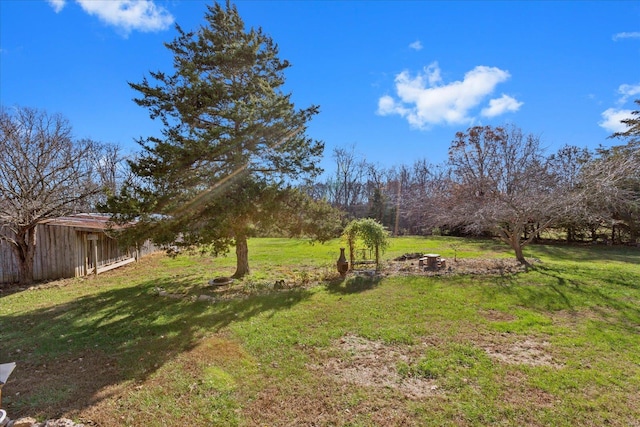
{"x":529,"y":351}
{"x":328,"y":404}
{"x":520,"y":393}
{"x":373,"y":364}
{"x":498,"y":316}
{"x":406,"y":265}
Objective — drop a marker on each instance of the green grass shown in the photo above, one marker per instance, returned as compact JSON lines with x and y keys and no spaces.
{"x":557,"y":345}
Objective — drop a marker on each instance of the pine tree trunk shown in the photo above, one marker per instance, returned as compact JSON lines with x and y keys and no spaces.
{"x":242,"y":257}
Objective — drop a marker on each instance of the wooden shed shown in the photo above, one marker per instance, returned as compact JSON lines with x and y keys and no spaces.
{"x":72,"y":246}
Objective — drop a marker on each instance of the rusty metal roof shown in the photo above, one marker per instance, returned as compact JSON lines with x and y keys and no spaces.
{"x":84,"y":221}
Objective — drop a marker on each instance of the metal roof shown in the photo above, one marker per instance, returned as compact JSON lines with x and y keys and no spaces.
{"x":84,"y":221}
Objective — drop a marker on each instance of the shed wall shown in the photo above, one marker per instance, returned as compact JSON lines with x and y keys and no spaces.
{"x":63,"y":252}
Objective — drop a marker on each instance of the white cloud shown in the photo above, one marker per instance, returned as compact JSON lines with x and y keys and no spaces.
{"x":124,"y":15}
{"x":626,"y":35}
{"x":628,"y":91}
{"x":57,"y":5}
{"x":433,"y":73}
{"x":416,"y":45}
{"x":612,"y":119}
{"x":387,"y":105}
{"x":501,"y":105}
{"x":128,"y":15}
{"x":424,"y":100}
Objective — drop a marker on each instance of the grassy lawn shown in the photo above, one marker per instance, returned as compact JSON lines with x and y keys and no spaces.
{"x":153,"y":344}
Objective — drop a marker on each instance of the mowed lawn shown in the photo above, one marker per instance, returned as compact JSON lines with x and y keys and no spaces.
{"x":152,"y":344}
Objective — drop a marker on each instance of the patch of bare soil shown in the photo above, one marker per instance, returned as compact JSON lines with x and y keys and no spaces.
{"x":354,"y":362}
{"x":373,"y":364}
{"x":334,"y":396}
{"x":492,"y":266}
{"x":498,"y":316}
{"x":328,"y":404}
{"x":518,"y":350}
{"x":519,"y":392}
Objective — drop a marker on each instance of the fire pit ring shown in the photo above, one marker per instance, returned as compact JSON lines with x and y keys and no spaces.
{"x":221,"y":281}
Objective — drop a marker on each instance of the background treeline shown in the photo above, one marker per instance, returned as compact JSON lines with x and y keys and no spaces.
{"x":574,"y":194}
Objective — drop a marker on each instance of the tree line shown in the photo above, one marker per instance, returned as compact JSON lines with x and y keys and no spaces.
{"x":498,"y":181}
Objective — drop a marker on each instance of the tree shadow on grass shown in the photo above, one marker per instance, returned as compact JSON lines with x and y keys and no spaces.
{"x":568,"y":293}
{"x":353,"y":284}
{"x":571,"y":252}
{"x":69,"y":354}
{"x":566,"y":251}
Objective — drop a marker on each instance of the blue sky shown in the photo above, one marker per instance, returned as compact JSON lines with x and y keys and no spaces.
{"x":394,"y":80}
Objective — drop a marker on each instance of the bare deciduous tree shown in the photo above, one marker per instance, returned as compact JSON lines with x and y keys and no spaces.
{"x":611,"y":187}
{"x":44,"y":174}
{"x":567,"y":164}
{"x":375,"y":192}
{"x":112,"y":171}
{"x":349,"y":182}
{"x":617,"y":175}
{"x":502,"y":183}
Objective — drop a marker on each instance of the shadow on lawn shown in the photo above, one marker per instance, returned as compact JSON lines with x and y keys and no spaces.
{"x":610,"y":300}
{"x":353,"y":284}
{"x":569,"y":252}
{"x":69,"y":355}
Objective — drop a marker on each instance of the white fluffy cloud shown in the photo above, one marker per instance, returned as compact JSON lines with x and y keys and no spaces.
{"x":416,"y":45}
{"x":125,"y":15}
{"x":57,"y":5}
{"x":424,"y":100}
{"x":501,"y":105}
{"x":612,"y":119}
{"x":627,"y":35}
{"x":626,"y":91}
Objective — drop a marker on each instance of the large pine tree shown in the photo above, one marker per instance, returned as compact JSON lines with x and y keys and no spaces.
{"x":231,"y":139}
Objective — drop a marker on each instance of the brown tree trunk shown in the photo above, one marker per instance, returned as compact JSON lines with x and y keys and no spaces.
{"x":25,"y":250}
{"x":570,"y":234}
{"x":514,"y":240}
{"x":613,"y":234}
{"x":242,"y":257}
{"x":517,"y":247}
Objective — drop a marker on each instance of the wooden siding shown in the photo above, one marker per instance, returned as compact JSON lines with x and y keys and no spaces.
{"x":65,"y":251}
